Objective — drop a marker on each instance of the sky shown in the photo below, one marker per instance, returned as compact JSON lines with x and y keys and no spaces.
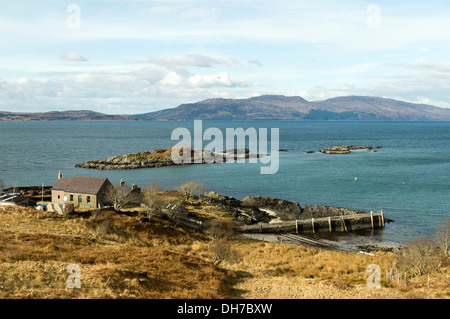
{"x":138,"y":56}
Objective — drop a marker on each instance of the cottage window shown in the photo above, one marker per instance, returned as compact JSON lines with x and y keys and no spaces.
{"x":88,"y":199}
{"x":59,"y":196}
{"x":71,"y":197}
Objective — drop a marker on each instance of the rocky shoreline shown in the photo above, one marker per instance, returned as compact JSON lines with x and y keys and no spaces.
{"x":254,"y":209}
{"x":161,"y":158}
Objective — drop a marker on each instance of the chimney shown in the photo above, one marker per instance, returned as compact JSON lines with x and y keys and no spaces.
{"x":122,"y":182}
{"x":134,"y":186}
{"x":60,"y":175}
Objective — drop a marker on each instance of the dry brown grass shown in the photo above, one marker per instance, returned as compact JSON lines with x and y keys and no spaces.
{"x":282,"y":271}
{"x":121,"y":256}
{"x":35,"y":251}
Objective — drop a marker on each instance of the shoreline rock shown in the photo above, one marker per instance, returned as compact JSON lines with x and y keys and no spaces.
{"x":243,"y":214}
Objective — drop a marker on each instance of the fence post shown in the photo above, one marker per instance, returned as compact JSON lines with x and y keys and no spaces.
{"x":371,"y":218}
{"x":343,"y":222}
{"x":405,"y":280}
{"x":312,"y":223}
{"x":296,"y":226}
{"x":382,"y":218}
{"x":329,"y":224}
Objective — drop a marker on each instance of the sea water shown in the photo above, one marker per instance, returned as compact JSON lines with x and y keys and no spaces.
{"x":408,"y":178}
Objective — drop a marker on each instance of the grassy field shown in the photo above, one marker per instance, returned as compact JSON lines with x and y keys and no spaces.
{"x":123,"y":256}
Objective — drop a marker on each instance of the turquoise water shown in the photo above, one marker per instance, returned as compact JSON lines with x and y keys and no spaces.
{"x":409,"y":178}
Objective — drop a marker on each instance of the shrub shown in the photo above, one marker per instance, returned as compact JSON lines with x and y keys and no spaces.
{"x":219,"y":229}
{"x":221,"y":251}
{"x":443,"y":237}
{"x":419,"y":255}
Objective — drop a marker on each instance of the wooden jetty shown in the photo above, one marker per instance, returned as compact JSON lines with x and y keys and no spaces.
{"x":343,"y":223}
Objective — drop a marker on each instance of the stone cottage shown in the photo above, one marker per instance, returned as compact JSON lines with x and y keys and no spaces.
{"x":81,"y":191}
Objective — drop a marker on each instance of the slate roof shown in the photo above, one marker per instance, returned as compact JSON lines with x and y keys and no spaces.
{"x":80,"y":184}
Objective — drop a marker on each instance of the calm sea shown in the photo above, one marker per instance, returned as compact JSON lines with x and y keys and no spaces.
{"x":409,"y":178}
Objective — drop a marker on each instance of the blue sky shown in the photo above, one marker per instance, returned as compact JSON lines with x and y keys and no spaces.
{"x":137,"y":56}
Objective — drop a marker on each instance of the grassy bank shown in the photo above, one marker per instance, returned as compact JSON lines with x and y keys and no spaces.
{"x":124,"y":256}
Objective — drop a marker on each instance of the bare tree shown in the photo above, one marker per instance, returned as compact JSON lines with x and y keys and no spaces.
{"x":121,"y":196}
{"x":219,"y":229}
{"x":151,"y":200}
{"x":221,"y":250}
{"x":419,"y":255}
{"x":188,"y":189}
{"x":443,"y":237}
{"x":222,"y":234}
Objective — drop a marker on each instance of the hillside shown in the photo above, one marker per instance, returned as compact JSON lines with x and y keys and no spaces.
{"x":276,"y":107}
{"x":124,"y":256}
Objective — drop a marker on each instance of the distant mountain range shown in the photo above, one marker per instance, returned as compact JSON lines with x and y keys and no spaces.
{"x":266,"y":107}
{"x":61,"y":116}
{"x":276,"y":107}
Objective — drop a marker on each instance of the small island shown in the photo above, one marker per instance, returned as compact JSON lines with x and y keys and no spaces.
{"x":161,"y":158}
{"x":346,"y":149}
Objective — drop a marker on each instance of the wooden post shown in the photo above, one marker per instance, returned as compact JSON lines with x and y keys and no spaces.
{"x":382,"y":218}
{"x":405,"y":280}
{"x":329,"y":224}
{"x":312,"y":223}
{"x":371,"y":218}
{"x":343,"y":222}
{"x":296,"y":226}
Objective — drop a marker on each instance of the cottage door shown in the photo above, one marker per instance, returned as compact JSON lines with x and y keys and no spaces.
{"x":80,"y":200}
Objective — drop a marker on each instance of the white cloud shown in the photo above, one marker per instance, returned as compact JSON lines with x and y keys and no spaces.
{"x":255,"y":63}
{"x":188,"y":59}
{"x":172,"y":79}
{"x":219,"y":79}
{"x":423,"y":64}
{"x":74,"y":57}
{"x":184,"y":12}
{"x":203,"y":14}
{"x":222,"y":47}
